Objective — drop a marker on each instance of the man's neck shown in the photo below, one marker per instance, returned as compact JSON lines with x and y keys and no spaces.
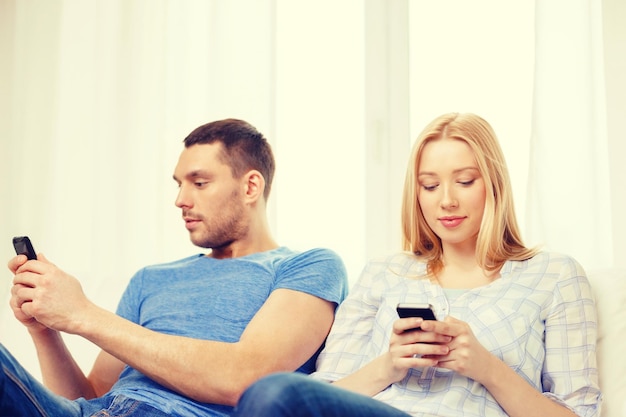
{"x":241,"y":248}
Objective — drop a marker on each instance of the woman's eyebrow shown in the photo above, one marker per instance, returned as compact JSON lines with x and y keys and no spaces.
{"x":456,"y":171}
{"x":469,"y":168}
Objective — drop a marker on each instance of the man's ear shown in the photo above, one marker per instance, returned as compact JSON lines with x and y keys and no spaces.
{"x":254,"y":185}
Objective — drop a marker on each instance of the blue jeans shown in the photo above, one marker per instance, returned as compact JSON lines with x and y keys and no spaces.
{"x":298,"y":395}
{"x":21,"y":395}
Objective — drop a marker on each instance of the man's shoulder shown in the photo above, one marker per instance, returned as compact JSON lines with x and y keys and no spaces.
{"x":312,"y":257}
{"x":318,"y":271}
{"x":317,"y":253}
{"x":176,"y":264}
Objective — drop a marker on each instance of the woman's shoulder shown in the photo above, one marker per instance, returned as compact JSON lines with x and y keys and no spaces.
{"x":401,"y":264}
{"x":399,"y":259}
{"x":391,"y":273}
{"x":546,"y":257}
{"x":550,"y":264}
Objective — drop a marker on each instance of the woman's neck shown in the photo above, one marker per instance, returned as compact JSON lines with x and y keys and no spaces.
{"x":461,"y":270}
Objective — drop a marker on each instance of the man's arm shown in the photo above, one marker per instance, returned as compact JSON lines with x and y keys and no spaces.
{"x":284,"y":334}
{"x":62,"y":375}
{"x":60,"y":372}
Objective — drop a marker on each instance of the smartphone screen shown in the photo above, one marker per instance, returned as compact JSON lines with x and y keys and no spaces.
{"x":23,"y":246}
{"x":424,"y":311}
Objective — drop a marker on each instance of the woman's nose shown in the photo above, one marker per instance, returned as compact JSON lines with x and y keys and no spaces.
{"x":448,"y":199}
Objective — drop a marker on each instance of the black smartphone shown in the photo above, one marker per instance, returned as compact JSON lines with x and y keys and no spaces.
{"x":23,"y":246}
{"x":424,"y":311}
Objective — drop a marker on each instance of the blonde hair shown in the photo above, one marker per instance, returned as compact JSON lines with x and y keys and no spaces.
{"x":499,"y":237}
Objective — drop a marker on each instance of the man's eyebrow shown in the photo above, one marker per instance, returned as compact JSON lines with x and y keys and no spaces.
{"x":194,"y":174}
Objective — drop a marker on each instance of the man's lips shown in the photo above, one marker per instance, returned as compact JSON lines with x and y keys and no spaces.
{"x":451,"y":221}
{"x":190,"y":222}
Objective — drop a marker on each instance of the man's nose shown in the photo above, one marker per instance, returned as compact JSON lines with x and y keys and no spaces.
{"x":183,"y":199}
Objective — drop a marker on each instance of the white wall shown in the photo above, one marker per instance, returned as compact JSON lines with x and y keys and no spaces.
{"x":615,"y":64}
{"x":477,"y":57}
{"x":320,"y":127}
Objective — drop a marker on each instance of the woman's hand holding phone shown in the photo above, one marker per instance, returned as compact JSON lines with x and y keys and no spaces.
{"x":412,"y":347}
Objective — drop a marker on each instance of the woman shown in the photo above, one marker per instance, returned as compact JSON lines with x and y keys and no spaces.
{"x":516,"y":328}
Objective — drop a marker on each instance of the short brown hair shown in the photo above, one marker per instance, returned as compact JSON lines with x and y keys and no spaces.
{"x":245,"y":148}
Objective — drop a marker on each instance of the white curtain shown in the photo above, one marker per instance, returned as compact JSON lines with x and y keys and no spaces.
{"x":536,"y":71}
{"x":484,"y":66}
{"x":97,"y":96}
{"x":569,"y":193}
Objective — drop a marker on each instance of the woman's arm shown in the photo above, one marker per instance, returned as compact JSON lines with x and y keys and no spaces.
{"x":469,"y":358}
{"x":516,"y":396}
{"x":407,"y":348}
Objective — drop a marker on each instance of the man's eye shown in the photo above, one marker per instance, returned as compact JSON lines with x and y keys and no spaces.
{"x":200,"y":183}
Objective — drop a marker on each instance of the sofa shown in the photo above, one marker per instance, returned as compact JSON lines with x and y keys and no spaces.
{"x":609,"y":287}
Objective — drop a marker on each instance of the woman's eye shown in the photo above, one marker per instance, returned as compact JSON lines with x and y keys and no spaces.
{"x":430,"y":187}
{"x":467,"y":183}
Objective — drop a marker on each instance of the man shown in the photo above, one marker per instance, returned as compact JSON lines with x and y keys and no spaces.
{"x":191,"y":335}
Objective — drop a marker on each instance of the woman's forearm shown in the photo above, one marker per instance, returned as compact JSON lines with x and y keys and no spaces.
{"x":516,"y":396}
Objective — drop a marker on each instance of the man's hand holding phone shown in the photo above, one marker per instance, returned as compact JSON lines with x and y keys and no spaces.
{"x":22,"y":246}
{"x":42,"y":294}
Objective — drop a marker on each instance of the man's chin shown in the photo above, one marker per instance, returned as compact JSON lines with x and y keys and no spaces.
{"x":201,"y":243}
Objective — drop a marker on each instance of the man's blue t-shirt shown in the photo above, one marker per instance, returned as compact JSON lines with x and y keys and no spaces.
{"x":215,"y":299}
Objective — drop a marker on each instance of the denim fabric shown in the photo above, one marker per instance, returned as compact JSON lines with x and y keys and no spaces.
{"x":297,"y":395}
{"x":118,"y":406}
{"x":21,"y":395}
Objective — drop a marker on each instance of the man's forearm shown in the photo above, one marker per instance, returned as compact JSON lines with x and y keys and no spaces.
{"x":182,"y":364}
{"x":60,"y":372}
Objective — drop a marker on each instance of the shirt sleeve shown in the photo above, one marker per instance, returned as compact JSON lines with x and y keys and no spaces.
{"x":570,"y":373}
{"x":349,"y":345}
{"x":128,"y":307}
{"x":319,"y":272}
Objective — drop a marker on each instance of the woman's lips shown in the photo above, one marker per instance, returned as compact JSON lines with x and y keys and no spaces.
{"x":451,"y":221}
